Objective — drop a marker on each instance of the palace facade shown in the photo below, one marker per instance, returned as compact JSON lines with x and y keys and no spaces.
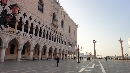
{"x":42,"y":30}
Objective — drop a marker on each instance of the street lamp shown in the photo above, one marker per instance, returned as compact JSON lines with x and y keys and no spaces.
{"x":94,"y":49}
{"x":6,"y":18}
{"x":78,"y":53}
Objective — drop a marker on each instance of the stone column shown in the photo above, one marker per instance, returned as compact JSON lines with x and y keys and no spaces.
{"x":57,"y":53}
{"x":40,"y":54}
{"x":16,"y":24}
{"x":64,"y":55}
{"x":45,"y":35}
{"x":61,"y":55}
{"x":52,"y":55}
{"x":42,"y":34}
{"x":38,"y":33}
{"x":70,"y":55}
{"x":19,"y":55}
{"x":47,"y":55}
{"x":28,"y":29}
{"x":31,"y":55}
{"x":67,"y":54}
{"x":33,"y":31}
{"x":23,"y":28}
{"x":2,"y":54}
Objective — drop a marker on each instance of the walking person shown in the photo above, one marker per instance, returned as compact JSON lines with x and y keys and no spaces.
{"x":106,"y":58}
{"x":57,"y":60}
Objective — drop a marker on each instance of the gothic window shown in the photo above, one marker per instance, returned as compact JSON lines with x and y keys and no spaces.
{"x":31,"y":29}
{"x":44,"y":33}
{"x":65,"y":43}
{"x":40,"y":6}
{"x":12,"y":22}
{"x":47,"y":35}
{"x":19,"y":27}
{"x":40,"y":32}
{"x":54,"y":16}
{"x":26,"y":27}
{"x":69,"y":29}
{"x":62,"y":23}
{"x":50,"y":36}
{"x":36,"y":30}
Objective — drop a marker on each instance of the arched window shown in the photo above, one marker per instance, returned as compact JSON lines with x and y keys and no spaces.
{"x":44,"y":33}
{"x":54,"y":16}
{"x":26,"y":27}
{"x":40,"y":32}
{"x":31,"y":29}
{"x":20,"y":23}
{"x":36,"y":30}
{"x":69,"y":29}
{"x":47,"y":35}
{"x":40,"y":5}
{"x":62,"y":24}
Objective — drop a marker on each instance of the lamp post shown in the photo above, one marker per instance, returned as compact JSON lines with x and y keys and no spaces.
{"x":94,"y":49}
{"x":121,"y":48}
{"x":6,"y":18}
{"x":78,"y":53}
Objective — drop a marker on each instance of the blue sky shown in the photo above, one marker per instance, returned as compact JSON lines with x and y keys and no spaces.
{"x":102,"y":20}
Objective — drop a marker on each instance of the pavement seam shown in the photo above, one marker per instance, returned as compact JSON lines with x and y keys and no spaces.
{"x":102,"y":68}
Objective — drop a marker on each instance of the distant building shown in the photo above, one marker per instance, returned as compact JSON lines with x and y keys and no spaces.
{"x":81,"y":55}
{"x":88,"y":56}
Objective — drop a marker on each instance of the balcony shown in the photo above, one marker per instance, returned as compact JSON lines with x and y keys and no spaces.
{"x":54,"y":24}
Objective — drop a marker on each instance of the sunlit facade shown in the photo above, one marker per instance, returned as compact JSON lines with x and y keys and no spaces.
{"x":42,"y":30}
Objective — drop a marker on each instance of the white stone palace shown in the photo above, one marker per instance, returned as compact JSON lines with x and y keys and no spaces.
{"x":42,"y":30}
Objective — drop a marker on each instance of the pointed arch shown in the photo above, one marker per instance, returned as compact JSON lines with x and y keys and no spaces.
{"x":15,"y":41}
{"x":26,"y":47}
{"x":36,"y":51}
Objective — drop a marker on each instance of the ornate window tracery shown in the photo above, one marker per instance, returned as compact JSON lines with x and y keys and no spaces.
{"x":40,"y":5}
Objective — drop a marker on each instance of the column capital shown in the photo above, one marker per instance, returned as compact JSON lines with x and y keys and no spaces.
{"x":31,"y":50}
{"x":4,"y":47}
{"x":19,"y":49}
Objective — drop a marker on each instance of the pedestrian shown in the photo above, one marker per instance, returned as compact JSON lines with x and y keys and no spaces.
{"x":80,"y":58}
{"x":57,"y":60}
{"x":106,"y":58}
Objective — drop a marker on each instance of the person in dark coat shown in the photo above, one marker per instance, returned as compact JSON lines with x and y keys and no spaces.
{"x":57,"y":60}
{"x":106,"y":58}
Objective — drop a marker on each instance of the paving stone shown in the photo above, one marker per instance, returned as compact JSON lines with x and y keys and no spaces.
{"x":65,"y":66}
